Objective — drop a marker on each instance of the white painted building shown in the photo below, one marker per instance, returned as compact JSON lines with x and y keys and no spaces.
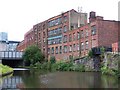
{"x":3,"y":46}
{"x":3,"y":36}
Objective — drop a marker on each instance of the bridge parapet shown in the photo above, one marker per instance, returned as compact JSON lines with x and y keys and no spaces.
{"x":11,"y":55}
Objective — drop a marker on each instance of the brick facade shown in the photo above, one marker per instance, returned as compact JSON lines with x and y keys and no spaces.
{"x":21,"y":46}
{"x":69,"y":34}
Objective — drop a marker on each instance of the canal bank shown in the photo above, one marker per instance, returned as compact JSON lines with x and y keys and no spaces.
{"x":5,"y":70}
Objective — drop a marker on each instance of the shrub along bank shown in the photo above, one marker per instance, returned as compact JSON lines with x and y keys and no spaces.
{"x":5,"y":69}
{"x":110,"y":64}
{"x":34,"y":58}
{"x":60,"y":66}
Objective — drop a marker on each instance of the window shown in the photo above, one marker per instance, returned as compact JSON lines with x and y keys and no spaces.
{"x":59,"y":40}
{"x":71,"y":27}
{"x":54,"y":22}
{"x":39,"y":35}
{"x":44,"y":40}
{"x":49,"y":33}
{"x":59,"y":30}
{"x":49,"y":42}
{"x":93,"y":30}
{"x":55,"y":41}
{"x":43,"y":26}
{"x":78,"y":35}
{"x":70,"y":49}
{"x":86,"y":33}
{"x":59,"y":20}
{"x":78,"y":47}
{"x":65,"y":18}
{"x":50,"y":24}
{"x":56,"y":50}
{"x":65,"y":49}
{"x":65,"y":38}
{"x":82,"y":34}
{"x":55,"y":31}
{"x":52,"y":32}
{"x":74,"y":47}
{"x":70,"y":37}
{"x":52,"y":50}
{"x":86,"y":44}
{"x":82,"y":46}
{"x":65,"y":28}
{"x":74,"y":36}
{"x":60,"y":49}
{"x":44,"y":50}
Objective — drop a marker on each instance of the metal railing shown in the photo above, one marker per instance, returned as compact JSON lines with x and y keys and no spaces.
{"x":11,"y":55}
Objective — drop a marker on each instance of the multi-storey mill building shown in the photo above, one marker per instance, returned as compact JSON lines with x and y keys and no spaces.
{"x":50,"y":35}
{"x":40,"y":36}
{"x":59,"y":28}
{"x":69,"y":34}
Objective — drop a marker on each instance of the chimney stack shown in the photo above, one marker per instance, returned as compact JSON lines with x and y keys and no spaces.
{"x":92,"y":16}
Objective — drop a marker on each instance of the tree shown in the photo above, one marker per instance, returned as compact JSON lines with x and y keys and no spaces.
{"x":33,"y":55}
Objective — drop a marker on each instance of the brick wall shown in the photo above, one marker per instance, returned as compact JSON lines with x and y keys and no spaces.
{"x":107,"y":33}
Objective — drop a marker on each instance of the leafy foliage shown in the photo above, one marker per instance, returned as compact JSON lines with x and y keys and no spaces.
{"x":106,"y":70}
{"x":90,"y":54}
{"x":33,"y":55}
{"x":5,"y":69}
{"x":52,"y":59}
{"x":61,"y":66}
{"x":111,"y":66}
{"x":102,"y":50}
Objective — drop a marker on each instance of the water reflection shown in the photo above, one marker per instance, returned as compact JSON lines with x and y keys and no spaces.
{"x":35,"y":79}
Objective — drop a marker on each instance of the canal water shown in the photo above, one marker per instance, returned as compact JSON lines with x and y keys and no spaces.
{"x":43,"y":79}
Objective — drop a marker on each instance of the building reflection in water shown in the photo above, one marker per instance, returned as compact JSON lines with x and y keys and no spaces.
{"x":11,"y":82}
{"x":27,"y":79}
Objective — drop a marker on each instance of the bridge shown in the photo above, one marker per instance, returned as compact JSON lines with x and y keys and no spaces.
{"x":11,"y":58}
{"x":11,"y":55}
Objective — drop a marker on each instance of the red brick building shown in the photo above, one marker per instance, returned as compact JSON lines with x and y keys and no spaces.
{"x":69,"y":34}
{"x":28,"y":40}
{"x":59,"y":28}
{"x":21,"y":46}
{"x":40,"y":36}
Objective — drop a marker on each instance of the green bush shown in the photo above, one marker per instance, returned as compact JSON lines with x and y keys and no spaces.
{"x":117,"y":73}
{"x":106,"y":70}
{"x":60,"y":66}
{"x":52,"y":60}
{"x":90,"y":54}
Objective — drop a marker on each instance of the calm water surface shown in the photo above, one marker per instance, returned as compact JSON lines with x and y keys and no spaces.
{"x":35,"y":79}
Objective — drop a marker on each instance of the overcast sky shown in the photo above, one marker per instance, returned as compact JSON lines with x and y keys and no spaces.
{"x":19,"y":16}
